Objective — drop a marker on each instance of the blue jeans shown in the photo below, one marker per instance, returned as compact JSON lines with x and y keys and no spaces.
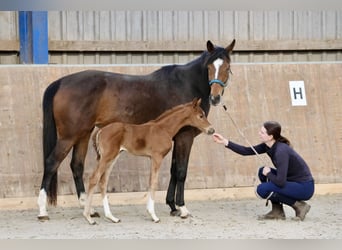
{"x":288,"y":194}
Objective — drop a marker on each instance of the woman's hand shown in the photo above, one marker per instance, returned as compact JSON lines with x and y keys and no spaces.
{"x":220,"y":139}
{"x":266,"y":170}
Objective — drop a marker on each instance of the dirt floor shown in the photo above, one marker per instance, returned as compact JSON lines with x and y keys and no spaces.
{"x":215,"y":219}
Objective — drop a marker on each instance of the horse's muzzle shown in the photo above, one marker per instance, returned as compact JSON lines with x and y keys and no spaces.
{"x":215,"y":100}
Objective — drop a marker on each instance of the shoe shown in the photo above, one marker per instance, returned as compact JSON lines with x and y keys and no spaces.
{"x":301,"y":208}
{"x":277,"y":213}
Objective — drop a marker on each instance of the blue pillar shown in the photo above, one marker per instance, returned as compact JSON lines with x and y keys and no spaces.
{"x":33,"y":33}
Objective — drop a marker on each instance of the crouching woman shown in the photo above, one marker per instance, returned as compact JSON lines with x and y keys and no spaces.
{"x":290,"y":182}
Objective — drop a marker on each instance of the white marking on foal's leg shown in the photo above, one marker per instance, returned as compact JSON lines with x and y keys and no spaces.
{"x":42,"y":200}
{"x":184,"y":212}
{"x":150,"y":209}
{"x":82,"y":201}
{"x":107,"y":211}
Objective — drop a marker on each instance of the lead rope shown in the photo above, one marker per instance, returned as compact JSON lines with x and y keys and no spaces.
{"x":264,"y":162}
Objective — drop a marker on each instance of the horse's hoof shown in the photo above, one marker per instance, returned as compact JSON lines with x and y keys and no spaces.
{"x":175,"y":213}
{"x":184,"y":216}
{"x":95,"y":214}
{"x":43,"y":218}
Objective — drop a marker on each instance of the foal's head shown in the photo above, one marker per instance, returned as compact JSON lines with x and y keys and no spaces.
{"x":198,"y":119}
{"x":218,"y":70}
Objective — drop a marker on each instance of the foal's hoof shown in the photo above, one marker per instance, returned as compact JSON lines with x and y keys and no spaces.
{"x":95,"y":214}
{"x":175,"y":213}
{"x":90,"y":221}
{"x":43,"y":218}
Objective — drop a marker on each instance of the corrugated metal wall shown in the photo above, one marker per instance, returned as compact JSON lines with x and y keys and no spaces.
{"x":130,"y":37}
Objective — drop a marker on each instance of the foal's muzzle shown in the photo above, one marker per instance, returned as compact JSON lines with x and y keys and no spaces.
{"x":210,"y":131}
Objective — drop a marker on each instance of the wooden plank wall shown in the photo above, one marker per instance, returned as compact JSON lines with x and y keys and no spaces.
{"x":257,"y":92}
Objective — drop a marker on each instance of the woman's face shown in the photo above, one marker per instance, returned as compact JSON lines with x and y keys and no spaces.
{"x":264,"y":137}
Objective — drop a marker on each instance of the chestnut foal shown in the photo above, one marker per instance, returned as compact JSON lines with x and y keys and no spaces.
{"x":152,"y":139}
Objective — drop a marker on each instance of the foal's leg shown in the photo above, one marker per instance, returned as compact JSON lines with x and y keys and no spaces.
{"x":77,"y":166}
{"x":103,"y":187}
{"x":155,"y":166}
{"x":49,"y":182}
{"x":93,"y":180}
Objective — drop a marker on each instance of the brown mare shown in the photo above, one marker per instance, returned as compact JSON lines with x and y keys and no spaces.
{"x":152,"y":139}
{"x":75,"y":104}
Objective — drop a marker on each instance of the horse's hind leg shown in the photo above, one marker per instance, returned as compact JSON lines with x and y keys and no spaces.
{"x":49,"y":182}
{"x":77,"y":166}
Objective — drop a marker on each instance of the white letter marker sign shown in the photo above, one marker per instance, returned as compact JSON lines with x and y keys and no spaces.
{"x":297,"y":91}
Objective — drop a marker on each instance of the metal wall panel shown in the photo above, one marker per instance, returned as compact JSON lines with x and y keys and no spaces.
{"x":9,"y":37}
{"x":190,"y":27}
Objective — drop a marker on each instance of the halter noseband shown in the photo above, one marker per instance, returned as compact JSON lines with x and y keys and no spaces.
{"x":218,"y":82}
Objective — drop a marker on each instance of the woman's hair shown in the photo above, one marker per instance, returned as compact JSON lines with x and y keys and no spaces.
{"x":274,"y":128}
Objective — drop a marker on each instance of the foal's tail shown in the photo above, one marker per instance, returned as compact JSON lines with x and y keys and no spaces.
{"x":95,"y":139}
{"x":49,"y":138}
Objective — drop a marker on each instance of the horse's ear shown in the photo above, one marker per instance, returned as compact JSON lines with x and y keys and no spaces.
{"x":210,"y":46}
{"x":230,"y":46}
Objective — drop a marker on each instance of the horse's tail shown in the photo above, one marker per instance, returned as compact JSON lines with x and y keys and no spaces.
{"x":95,"y":139}
{"x":50,"y":137}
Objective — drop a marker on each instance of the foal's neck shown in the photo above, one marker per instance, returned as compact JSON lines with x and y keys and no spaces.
{"x":172,"y":122}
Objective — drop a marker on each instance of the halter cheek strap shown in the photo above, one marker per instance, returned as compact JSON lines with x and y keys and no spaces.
{"x":218,"y":82}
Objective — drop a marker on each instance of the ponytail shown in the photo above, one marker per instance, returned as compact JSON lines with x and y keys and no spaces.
{"x":274,"y":128}
{"x":284,"y":140}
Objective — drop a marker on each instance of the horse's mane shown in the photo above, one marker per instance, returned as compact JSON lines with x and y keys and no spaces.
{"x":202,"y":61}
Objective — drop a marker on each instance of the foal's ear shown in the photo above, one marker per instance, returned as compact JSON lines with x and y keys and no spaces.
{"x":196,"y":102}
{"x":210,"y":46}
{"x":230,"y":46}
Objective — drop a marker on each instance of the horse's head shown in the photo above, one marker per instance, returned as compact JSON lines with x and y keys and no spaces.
{"x":198,"y":118}
{"x":218,"y":65}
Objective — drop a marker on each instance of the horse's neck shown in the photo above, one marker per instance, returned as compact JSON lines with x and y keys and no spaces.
{"x":174,"y":121}
{"x":194,"y":74}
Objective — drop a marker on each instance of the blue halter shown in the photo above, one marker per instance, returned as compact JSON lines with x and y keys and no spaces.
{"x":218,"y":82}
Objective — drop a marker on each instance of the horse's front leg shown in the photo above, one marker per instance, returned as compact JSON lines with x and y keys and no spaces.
{"x":155,"y":166}
{"x":171,"y":191}
{"x":180,"y":158}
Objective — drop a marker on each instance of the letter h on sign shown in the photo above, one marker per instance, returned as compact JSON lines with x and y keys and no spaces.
{"x":297,"y":91}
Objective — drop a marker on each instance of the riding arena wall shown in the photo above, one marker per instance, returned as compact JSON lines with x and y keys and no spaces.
{"x":256,"y":93}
